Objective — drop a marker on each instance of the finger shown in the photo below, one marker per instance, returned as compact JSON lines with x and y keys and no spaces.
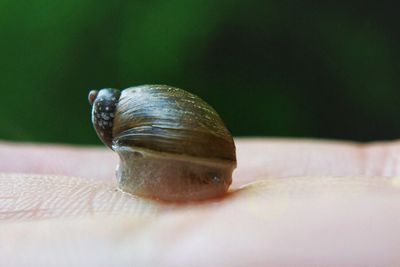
{"x":261,"y":158}
{"x":257,"y":158}
{"x":276,"y":222}
{"x":328,"y":205}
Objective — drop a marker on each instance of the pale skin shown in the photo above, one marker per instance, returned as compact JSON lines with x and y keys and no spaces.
{"x":292,"y":203}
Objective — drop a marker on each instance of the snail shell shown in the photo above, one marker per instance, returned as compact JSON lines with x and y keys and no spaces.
{"x":172,"y":145}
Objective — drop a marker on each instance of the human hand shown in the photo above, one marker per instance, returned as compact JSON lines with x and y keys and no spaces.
{"x":292,"y":203}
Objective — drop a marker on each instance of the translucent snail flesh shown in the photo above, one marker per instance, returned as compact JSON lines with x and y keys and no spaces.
{"x":172,"y":145}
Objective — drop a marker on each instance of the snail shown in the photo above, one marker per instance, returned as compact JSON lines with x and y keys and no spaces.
{"x":172,"y":145}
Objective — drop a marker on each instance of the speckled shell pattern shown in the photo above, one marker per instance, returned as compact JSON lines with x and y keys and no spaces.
{"x":171,"y":120}
{"x":103,"y":112}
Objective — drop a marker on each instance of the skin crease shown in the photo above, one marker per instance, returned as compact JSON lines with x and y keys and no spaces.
{"x":292,"y":203}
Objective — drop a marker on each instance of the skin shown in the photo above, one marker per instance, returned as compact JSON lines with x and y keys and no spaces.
{"x":292,"y":203}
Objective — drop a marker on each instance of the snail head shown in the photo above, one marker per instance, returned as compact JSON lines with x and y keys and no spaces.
{"x":104,"y":103}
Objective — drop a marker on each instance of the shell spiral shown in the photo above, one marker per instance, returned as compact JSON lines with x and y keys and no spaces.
{"x":171,"y":143}
{"x":168,"y":119}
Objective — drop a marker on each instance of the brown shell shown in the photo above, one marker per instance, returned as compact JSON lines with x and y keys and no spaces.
{"x":167,"y":119}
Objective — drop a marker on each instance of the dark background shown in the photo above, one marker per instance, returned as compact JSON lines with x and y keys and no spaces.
{"x":325,"y":69}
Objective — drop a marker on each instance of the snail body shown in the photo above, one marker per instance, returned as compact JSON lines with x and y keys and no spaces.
{"x":172,"y":145}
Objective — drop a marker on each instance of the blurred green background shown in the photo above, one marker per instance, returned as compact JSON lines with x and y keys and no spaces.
{"x":325,"y":69}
